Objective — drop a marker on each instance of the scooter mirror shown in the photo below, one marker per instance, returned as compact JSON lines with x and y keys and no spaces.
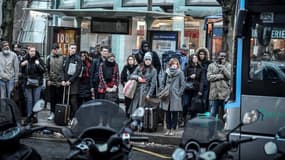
{"x":39,"y":106}
{"x":270,"y":148}
{"x":250,"y":117}
{"x":179,"y":154}
{"x":281,"y":132}
{"x":138,"y":113}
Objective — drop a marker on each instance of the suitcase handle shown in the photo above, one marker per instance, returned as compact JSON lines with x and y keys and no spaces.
{"x":68,"y":94}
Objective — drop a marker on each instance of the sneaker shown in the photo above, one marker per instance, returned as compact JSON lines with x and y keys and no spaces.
{"x":167,"y":133}
{"x":51,"y":116}
{"x":171,"y":133}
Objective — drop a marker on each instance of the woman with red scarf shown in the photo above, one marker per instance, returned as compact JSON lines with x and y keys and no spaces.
{"x":109,"y":79}
{"x":84,"y":87}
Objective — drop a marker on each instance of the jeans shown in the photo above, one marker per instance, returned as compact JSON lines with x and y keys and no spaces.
{"x":6,"y":88}
{"x":171,"y":119}
{"x":217,"y":107}
{"x":32,"y":96}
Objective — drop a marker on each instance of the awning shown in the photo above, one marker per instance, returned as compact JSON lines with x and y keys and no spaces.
{"x":105,"y":13}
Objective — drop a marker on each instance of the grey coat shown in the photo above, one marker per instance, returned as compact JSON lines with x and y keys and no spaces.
{"x":219,"y":76}
{"x":176,"y":85}
{"x":143,"y":89}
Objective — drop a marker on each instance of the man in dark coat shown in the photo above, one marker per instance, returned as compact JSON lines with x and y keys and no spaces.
{"x":71,"y":71}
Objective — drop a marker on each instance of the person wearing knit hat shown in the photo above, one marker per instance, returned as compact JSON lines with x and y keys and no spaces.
{"x":147,"y":56}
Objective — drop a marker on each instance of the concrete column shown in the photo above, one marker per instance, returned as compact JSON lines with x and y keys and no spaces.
{"x":178,"y":22}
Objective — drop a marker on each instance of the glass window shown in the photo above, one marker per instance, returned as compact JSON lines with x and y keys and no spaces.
{"x":267,"y":56}
{"x":202,"y":2}
{"x":66,"y":4}
{"x":128,"y":3}
{"x":97,"y":3}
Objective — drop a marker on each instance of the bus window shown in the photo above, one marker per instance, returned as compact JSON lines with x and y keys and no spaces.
{"x":267,"y":56}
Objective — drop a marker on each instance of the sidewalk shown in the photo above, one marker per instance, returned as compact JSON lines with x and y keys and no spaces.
{"x":154,"y":137}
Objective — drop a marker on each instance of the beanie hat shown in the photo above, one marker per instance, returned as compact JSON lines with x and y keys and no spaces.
{"x":147,"y":56}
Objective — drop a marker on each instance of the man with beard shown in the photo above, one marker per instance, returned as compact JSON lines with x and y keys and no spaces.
{"x":9,"y":70}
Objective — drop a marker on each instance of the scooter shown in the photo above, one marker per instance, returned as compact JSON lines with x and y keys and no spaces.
{"x":220,"y":151}
{"x":11,"y":131}
{"x":100,"y":130}
{"x":276,"y":147}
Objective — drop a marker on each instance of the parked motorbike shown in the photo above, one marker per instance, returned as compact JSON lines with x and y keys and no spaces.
{"x":100,"y":130}
{"x":276,"y":147}
{"x":220,"y":151}
{"x":11,"y":131}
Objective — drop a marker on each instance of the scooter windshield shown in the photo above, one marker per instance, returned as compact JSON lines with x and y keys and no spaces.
{"x":7,"y":114}
{"x":98,"y":113}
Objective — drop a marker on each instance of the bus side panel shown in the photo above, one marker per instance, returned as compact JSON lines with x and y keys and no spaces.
{"x":273,"y":112}
{"x":251,"y":150}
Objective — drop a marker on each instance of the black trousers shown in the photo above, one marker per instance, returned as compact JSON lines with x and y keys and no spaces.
{"x":56,"y":95}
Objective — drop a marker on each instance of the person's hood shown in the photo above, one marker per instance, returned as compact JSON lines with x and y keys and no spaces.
{"x":205,"y":50}
{"x":143,"y":43}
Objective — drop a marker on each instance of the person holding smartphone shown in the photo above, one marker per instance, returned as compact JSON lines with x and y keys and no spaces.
{"x":219,"y":76}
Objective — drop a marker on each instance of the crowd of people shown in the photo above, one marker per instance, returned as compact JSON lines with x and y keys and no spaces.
{"x":97,"y":76}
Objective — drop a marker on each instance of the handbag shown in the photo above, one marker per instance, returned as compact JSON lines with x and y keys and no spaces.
{"x":197,"y":104}
{"x":152,"y":101}
{"x":164,"y":93}
{"x":32,"y":82}
{"x":130,"y":88}
{"x":189,"y":85}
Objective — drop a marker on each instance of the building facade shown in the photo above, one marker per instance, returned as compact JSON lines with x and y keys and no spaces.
{"x":56,"y":25}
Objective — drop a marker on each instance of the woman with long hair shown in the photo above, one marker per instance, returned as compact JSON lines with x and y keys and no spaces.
{"x":128,"y":69}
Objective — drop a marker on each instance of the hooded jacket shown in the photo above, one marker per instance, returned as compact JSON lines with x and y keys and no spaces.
{"x":155,"y":58}
{"x":9,"y":66}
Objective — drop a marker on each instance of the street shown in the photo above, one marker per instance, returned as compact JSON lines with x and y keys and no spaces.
{"x":57,"y":149}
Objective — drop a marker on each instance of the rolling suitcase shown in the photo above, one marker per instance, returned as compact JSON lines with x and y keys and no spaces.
{"x":62,"y":111}
{"x":150,"y":119}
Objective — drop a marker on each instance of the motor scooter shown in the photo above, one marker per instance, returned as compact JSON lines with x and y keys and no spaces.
{"x":220,"y":151}
{"x":100,"y":130}
{"x":11,"y":131}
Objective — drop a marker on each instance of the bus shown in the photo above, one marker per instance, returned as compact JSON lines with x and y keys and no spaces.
{"x":259,"y":74}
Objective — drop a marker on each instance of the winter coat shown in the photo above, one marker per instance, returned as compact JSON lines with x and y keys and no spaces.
{"x":114,"y":80}
{"x":84,"y":87}
{"x":219,"y":76}
{"x":55,"y":67}
{"x":176,"y":85}
{"x":126,"y":72}
{"x":33,"y":70}
{"x":194,"y":69}
{"x":143,"y":89}
{"x":9,"y":66}
{"x":204,"y":63}
{"x":74,"y":79}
